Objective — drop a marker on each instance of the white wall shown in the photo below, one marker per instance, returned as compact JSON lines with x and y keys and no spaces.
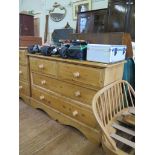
{"x":42,"y":7}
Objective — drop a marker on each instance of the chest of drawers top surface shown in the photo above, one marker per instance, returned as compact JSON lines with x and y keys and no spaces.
{"x":76,"y":62}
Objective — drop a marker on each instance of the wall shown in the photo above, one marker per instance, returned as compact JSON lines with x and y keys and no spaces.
{"x":42,"y":6}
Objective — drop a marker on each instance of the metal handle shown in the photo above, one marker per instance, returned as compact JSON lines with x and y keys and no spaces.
{"x":20,"y":87}
{"x":41,"y":66}
{"x":75,"y":113}
{"x":77,"y":93}
{"x":76,"y":74}
{"x":20,"y":72}
{"x":43,"y":82}
{"x":42,"y":97}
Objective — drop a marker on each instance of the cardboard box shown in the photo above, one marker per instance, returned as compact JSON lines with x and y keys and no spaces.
{"x":106,"y":53}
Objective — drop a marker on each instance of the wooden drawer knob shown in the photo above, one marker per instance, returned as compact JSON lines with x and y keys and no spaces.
{"x":42,"y":97}
{"x":43,"y":82}
{"x":75,"y":113}
{"x":76,"y":74}
{"x":77,"y":93}
{"x":20,"y":72}
{"x":41,"y":66}
{"x":20,"y":87}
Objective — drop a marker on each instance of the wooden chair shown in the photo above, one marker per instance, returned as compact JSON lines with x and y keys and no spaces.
{"x":113,"y":107}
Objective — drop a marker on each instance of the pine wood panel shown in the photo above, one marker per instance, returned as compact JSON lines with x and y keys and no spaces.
{"x":23,"y":73}
{"x":23,"y":57}
{"x":24,"y":76}
{"x":24,"y":88}
{"x":43,"y":66}
{"x":113,"y":74}
{"x":73,"y":110}
{"x":81,"y":74}
{"x":26,"y":99}
{"x":72,"y":91}
{"x":91,"y":133}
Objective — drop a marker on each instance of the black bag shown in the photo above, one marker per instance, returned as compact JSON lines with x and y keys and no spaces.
{"x":63,"y":51}
{"x":49,"y":50}
{"x":34,"y":49}
{"x":77,"y":50}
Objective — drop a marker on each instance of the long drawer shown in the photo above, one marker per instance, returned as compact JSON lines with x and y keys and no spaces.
{"x":23,"y":73}
{"x":81,"y":74}
{"x":43,"y":66}
{"x":73,"y":110}
{"x":72,"y":91}
{"x":24,"y":88}
{"x":23,"y":57}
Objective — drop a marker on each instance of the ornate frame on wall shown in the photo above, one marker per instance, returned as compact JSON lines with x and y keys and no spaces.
{"x":82,"y":5}
{"x":56,"y":17}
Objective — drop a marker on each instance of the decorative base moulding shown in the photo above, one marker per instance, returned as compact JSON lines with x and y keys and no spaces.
{"x":92,"y":134}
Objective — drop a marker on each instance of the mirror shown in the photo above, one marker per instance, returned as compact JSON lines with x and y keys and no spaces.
{"x":57,"y":13}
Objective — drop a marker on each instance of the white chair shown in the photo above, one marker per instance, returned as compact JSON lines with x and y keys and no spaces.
{"x":113,"y":107}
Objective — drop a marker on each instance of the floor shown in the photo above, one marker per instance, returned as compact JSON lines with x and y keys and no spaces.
{"x":40,"y":135}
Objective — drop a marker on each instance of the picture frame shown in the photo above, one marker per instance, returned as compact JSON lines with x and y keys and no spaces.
{"x":81,"y":6}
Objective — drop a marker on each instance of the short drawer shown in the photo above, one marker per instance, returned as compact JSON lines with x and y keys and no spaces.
{"x":43,"y":66}
{"x":81,"y":74}
{"x":24,"y":88}
{"x":23,"y":73}
{"x":69,"y":90}
{"x":75,"y":111}
{"x":23,"y":57}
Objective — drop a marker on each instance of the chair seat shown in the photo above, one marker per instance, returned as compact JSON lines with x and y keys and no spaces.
{"x":123,"y":140}
{"x":128,"y":119}
{"x":124,"y":129}
{"x":132,"y":110}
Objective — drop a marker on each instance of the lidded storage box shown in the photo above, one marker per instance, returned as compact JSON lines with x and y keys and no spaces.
{"x":106,"y":53}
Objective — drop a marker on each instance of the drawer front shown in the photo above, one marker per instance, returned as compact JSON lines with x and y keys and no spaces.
{"x":81,"y":74}
{"x":72,"y":91}
{"x":43,"y":66}
{"x":23,"y":57}
{"x":24,"y":88}
{"x":72,"y":110}
{"x":23,"y":73}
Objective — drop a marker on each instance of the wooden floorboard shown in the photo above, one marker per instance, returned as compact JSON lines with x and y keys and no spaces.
{"x":40,"y":135}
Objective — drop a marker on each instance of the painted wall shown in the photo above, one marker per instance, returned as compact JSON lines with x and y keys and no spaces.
{"x":42,"y":7}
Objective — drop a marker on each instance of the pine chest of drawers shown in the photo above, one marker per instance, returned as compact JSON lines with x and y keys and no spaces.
{"x":24,"y":80}
{"x":64,"y":89}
